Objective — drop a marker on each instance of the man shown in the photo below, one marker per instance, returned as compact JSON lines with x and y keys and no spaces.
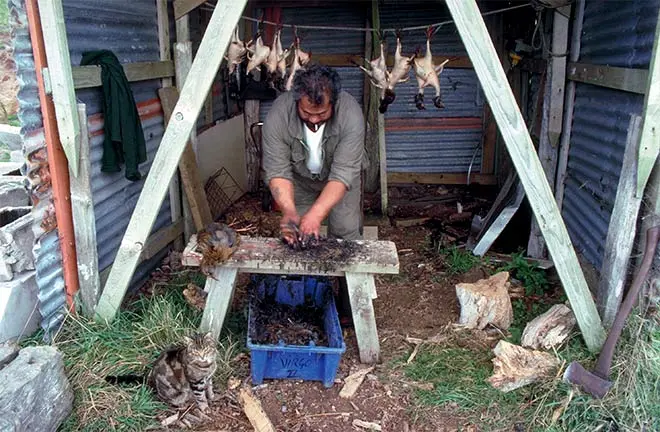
{"x":313,"y":151}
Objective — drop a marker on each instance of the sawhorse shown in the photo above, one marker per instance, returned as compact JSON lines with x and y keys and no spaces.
{"x":271,"y":256}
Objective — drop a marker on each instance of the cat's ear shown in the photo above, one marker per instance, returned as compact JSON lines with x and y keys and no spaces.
{"x":208,"y":337}
{"x":188,"y":341}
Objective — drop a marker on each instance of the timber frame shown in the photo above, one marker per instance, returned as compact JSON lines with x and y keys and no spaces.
{"x":505,"y":110}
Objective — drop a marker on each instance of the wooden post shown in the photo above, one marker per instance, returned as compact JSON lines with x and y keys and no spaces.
{"x":379,"y":118}
{"x":553,"y":108}
{"x":250,"y":116}
{"x":648,"y":152}
{"x":203,"y":71}
{"x":182,"y":60}
{"x":59,"y":69}
{"x":569,"y":104}
{"x":621,"y":231}
{"x":472,"y":29}
{"x":84,"y":223}
{"x":372,"y":173}
{"x":165,"y":55}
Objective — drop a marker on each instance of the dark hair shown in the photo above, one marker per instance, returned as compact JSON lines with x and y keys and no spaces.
{"x":314,"y":82}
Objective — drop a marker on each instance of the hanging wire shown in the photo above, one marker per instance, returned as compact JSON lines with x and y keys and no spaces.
{"x":436,"y":26}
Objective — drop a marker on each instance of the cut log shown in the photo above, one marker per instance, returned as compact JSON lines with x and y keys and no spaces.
{"x":550,"y":329}
{"x":254,"y":412}
{"x":515,"y":366}
{"x":485,"y":302}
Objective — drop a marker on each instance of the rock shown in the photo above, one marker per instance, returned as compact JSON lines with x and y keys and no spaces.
{"x":8,"y":352}
{"x":485,"y":302}
{"x":550,"y":329}
{"x":515,"y":366}
{"x":34,"y":391}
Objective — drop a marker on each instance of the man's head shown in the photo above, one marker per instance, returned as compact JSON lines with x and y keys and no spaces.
{"x":316,"y":90}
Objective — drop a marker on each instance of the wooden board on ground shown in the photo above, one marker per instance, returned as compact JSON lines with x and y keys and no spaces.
{"x":271,"y":255}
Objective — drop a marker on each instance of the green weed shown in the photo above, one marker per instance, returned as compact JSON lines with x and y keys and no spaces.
{"x":532,"y":277}
{"x":127,"y":346}
{"x":459,"y":260}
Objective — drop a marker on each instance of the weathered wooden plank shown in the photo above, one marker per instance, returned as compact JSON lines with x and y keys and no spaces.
{"x":519,"y":144}
{"x":626,"y":79}
{"x":252,"y":154}
{"x":650,"y":141}
{"x":551,"y":125}
{"x":192,"y":182}
{"x":84,"y":223}
{"x":59,"y":70}
{"x":182,"y":7}
{"x":267,"y":254}
{"x":204,"y":69}
{"x":220,"y":288}
{"x":90,"y":76}
{"x":361,"y":289}
{"x":382,"y":156}
{"x":441,"y":178}
{"x":569,"y":104}
{"x":622,"y":229}
{"x":500,"y":222}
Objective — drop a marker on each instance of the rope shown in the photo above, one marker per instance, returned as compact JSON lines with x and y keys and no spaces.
{"x":369,"y":29}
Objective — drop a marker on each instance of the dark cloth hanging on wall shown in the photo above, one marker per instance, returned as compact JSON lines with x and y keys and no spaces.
{"x":124,"y":140}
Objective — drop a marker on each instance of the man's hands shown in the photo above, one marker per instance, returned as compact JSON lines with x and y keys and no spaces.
{"x":289,"y":221}
{"x":310,"y":224}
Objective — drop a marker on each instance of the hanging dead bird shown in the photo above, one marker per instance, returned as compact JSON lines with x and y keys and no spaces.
{"x":257,"y":55}
{"x":300,"y":60}
{"x":401,"y":69}
{"x":377,"y":74}
{"x":235,"y":52}
{"x":428,"y":75}
{"x":217,"y":242}
{"x":276,"y":63}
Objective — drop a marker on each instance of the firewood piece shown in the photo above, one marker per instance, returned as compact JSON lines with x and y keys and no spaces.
{"x":411,"y":222}
{"x":254,"y":412}
{"x":352,"y":383}
{"x":485,"y":302}
{"x":550,"y":329}
{"x":515,"y":366}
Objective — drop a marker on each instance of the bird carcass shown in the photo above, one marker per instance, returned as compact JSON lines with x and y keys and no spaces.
{"x":257,"y":55}
{"x":235,"y":52}
{"x":401,"y":69}
{"x":276,"y":64}
{"x":377,"y":74}
{"x":428,"y":74}
{"x":300,"y":60}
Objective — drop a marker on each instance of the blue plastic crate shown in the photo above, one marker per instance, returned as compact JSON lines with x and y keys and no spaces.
{"x":309,"y":362}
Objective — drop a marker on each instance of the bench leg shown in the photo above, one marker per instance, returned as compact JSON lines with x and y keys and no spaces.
{"x":361,"y":290}
{"x":220,"y":290}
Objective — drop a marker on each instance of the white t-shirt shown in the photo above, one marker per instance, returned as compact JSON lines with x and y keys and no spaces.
{"x":313,"y":141}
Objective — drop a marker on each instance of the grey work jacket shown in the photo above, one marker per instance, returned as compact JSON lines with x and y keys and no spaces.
{"x":285,"y":152}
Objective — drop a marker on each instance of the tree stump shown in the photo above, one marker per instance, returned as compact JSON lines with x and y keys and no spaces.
{"x":550,"y":329}
{"x":515,"y":367}
{"x":485,"y":302}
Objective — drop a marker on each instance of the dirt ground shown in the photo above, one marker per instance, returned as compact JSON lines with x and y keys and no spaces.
{"x":8,"y":82}
{"x":419,"y":302}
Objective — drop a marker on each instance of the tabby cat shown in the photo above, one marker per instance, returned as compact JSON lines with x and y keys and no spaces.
{"x":184,"y":374}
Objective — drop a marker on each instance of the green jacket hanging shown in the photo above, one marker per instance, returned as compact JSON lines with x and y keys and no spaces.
{"x":124,"y":139}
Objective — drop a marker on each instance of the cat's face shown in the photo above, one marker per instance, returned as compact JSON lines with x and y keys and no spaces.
{"x":201,"y":349}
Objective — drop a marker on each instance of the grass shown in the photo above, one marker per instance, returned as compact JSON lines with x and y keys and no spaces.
{"x":93,"y":351}
{"x":4,"y":15}
{"x":458,"y":376}
{"x":459,"y":261}
{"x":532,"y":277}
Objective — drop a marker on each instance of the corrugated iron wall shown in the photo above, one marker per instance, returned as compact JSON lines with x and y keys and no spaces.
{"x":47,"y":255}
{"x":130,"y":30}
{"x":616,"y":34}
{"x":432,"y":148}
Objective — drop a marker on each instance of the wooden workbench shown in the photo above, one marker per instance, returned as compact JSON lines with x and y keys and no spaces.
{"x":271,"y":256}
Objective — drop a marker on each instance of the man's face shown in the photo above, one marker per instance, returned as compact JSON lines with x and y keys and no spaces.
{"x":314,"y":115}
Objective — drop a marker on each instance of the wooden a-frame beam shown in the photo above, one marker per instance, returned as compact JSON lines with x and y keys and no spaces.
{"x":182,"y":7}
{"x":198,"y":83}
{"x":474,"y":34}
